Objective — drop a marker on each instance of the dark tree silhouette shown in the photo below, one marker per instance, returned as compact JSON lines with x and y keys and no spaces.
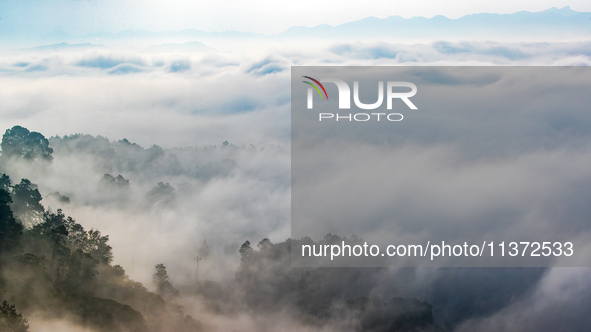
{"x":27,"y":201}
{"x":264,"y":244}
{"x":116,"y":183}
{"x":21,"y":143}
{"x":162,"y":193}
{"x":163,"y":285}
{"x":10,"y":229}
{"x":5,"y":183}
{"x":97,"y":247}
{"x":245,"y":251}
{"x":59,"y":197}
{"x":74,"y":253}
{"x":12,"y":321}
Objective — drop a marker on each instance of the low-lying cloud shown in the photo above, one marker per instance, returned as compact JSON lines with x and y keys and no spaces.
{"x":190,"y":103}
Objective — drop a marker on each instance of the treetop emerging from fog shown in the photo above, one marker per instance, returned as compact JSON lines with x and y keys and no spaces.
{"x":19,"y":142}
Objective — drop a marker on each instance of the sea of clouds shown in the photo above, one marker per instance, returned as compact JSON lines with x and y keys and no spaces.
{"x":240,"y":92}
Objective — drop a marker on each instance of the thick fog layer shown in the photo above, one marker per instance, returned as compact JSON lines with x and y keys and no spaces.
{"x":163,"y":149}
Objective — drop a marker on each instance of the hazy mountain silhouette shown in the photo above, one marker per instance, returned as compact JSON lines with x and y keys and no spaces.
{"x":553,"y":22}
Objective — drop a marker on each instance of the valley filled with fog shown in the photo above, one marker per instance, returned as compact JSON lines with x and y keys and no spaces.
{"x":181,"y":149}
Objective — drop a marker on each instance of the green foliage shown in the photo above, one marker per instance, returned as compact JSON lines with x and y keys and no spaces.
{"x":65,"y":231}
{"x":5,"y":183}
{"x":10,"y":229}
{"x":114,"y":183}
{"x":75,"y":252}
{"x":62,"y":269}
{"x":31,"y":261}
{"x":126,"y":157}
{"x":97,"y":247}
{"x":27,"y":202}
{"x":163,"y":285}
{"x":266,"y":281}
{"x":19,"y":142}
{"x":55,"y":268}
{"x":114,"y":284}
{"x":78,"y":143}
{"x":161,"y":194}
{"x":105,"y":314}
{"x":29,"y":283}
{"x":26,"y":199}
{"x":10,"y":320}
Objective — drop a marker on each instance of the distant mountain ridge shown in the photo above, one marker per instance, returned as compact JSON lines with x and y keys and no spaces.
{"x":553,"y":23}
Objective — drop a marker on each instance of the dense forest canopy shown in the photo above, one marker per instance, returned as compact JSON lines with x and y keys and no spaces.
{"x":53,"y":267}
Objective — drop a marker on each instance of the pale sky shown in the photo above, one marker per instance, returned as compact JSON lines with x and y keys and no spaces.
{"x":263,"y":16}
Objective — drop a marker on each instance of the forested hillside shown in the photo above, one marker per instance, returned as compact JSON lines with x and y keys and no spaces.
{"x":52,"y":267}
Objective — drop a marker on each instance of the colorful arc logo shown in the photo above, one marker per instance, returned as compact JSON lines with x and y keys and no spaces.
{"x":315,"y":87}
